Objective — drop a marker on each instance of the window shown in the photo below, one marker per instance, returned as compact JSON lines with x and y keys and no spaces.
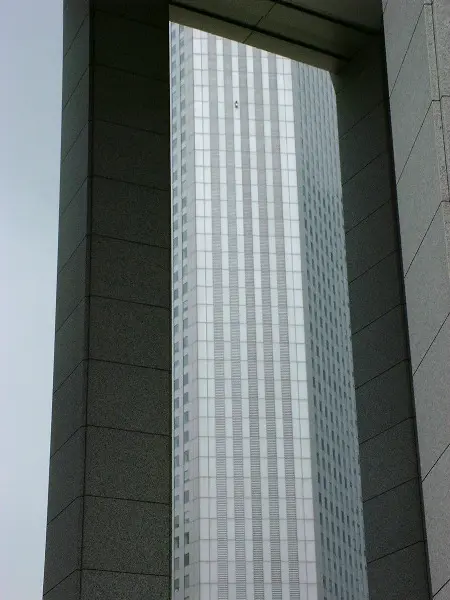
{"x":186,"y":456}
{"x":176,"y":584}
{"x":186,"y":559}
{"x":176,"y":563}
{"x":177,"y":541}
{"x":186,"y":496}
{"x":186,"y":417}
{"x":176,"y":521}
{"x":186,"y":538}
{"x":186,"y":581}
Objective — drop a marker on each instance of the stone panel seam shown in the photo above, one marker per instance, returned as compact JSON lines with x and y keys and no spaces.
{"x":61,"y":581}
{"x":372,"y":266}
{"x":67,"y":506}
{"x":76,"y":34}
{"x":406,"y":51}
{"x":361,"y":119}
{"x":139,"y":243}
{"x":109,"y":428}
{"x":66,"y":262}
{"x":335,"y":20}
{"x":59,"y":386}
{"x":73,"y":197}
{"x":97,"y":496}
{"x":431,"y":343}
{"x":113,"y":362}
{"x":142,"y":185}
{"x":102,"y":11}
{"x":385,"y":430}
{"x":368,"y":216}
{"x":132,"y":127}
{"x":79,"y":134}
{"x":415,"y":478}
{"x":252,"y":29}
{"x":274,"y":3}
{"x":96,"y":176}
{"x":351,"y":77}
{"x":363,"y":167}
{"x":377,"y":318}
{"x":414,"y":142}
{"x":371,"y":562}
{"x":436,"y":462}
{"x":110,"y":237}
{"x":105,"y":571}
{"x":445,"y":139}
{"x":134,"y":302}
{"x":433,"y":216}
{"x":431,"y":45}
{"x":98,"y":296}
{"x":441,"y":588}
{"x":403,"y":360}
{"x":109,"y":122}
{"x":121,"y":70}
{"x":125,"y":572}
{"x":76,"y":86}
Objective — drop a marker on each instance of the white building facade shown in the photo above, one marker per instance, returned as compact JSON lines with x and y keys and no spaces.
{"x":266,"y":477}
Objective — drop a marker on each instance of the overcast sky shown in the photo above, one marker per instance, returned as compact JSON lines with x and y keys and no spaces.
{"x":30,"y":76}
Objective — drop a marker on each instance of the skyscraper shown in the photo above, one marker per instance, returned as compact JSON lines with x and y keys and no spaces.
{"x":266,"y":482}
{"x":337,"y":495}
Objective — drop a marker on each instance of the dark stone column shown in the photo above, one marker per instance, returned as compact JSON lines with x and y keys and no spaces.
{"x":109,"y":508}
{"x":392,"y":497}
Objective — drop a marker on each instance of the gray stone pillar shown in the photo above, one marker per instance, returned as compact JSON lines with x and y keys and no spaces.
{"x":109,"y":510}
{"x":393,"y":516}
{"x":417,"y":36}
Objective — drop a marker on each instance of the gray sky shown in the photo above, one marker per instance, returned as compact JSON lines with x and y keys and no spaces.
{"x":30,"y":75}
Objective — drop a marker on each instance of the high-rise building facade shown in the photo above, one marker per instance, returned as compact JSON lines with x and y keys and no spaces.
{"x":338,"y":506}
{"x":266,"y":484}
